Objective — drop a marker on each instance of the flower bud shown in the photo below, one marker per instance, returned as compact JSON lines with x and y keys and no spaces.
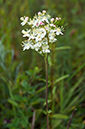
{"x":21,"y":18}
{"x":39,"y":13}
{"x":44,"y":11}
{"x":52,"y":19}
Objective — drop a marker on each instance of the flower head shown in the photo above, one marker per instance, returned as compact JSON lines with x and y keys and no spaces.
{"x":43,"y":31}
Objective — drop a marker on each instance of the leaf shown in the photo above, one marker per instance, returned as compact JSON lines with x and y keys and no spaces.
{"x":63,"y":48}
{"x":48,"y":102}
{"x":15,"y":122}
{"x":44,"y":112}
{"x":60,"y":116}
{"x":76,"y":72}
{"x":61,"y":78}
{"x":49,"y":111}
{"x":12,"y":102}
{"x":72,"y":91}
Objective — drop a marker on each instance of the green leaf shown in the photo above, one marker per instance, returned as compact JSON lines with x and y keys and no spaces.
{"x":49,"y":111}
{"x":44,"y":112}
{"x":48,"y":102}
{"x":63,"y":48}
{"x":60,"y":116}
{"x":61,"y":78}
{"x":12,"y":102}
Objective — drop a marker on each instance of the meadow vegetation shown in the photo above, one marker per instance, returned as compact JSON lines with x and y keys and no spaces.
{"x":22,"y":74}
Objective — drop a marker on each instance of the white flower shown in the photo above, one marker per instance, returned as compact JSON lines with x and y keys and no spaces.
{"x":26,"y":46}
{"x":45,"y":19}
{"x":24,"y":19}
{"x":45,"y":41}
{"x":39,"y":44}
{"x":52,"y":39}
{"x":42,"y":32}
{"x":58,"y":31}
{"x":52,"y":25}
{"x":26,"y":33}
{"x":31,"y":37}
{"x":45,"y":49}
{"x":36,"y":46}
{"x":52,"y":31}
{"x":52,"y":35}
{"x":34,"y":23}
{"x":21,"y":18}
{"x":30,"y":22}
{"x":38,"y":38}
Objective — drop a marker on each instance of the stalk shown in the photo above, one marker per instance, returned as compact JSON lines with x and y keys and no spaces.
{"x":46,"y":65}
{"x":33,"y":119}
{"x":71,"y":119}
{"x":52,"y":85}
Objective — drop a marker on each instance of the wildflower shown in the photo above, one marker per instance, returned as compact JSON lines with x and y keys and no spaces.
{"x":58,"y":31}
{"x":26,"y":46}
{"x":31,"y":37}
{"x":45,"y":49}
{"x":52,"y":25}
{"x":26,"y":33}
{"x":45,"y":19}
{"x":24,"y":20}
{"x":36,"y":46}
{"x":43,"y":31}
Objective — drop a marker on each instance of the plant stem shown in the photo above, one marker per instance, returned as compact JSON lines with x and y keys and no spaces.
{"x":52,"y":82}
{"x":71,"y":119}
{"x":46,"y":65}
{"x":33,"y":120}
{"x":52,"y":58}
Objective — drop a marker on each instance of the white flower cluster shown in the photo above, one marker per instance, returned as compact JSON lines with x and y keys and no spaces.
{"x":41,"y":33}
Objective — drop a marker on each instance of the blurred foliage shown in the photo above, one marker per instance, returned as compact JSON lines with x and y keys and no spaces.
{"x":22,"y":74}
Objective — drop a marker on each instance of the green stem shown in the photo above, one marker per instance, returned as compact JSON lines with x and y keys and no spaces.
{"x":52,"y":58}
{"x":46,"y":65}
{"x":51,"y":96}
